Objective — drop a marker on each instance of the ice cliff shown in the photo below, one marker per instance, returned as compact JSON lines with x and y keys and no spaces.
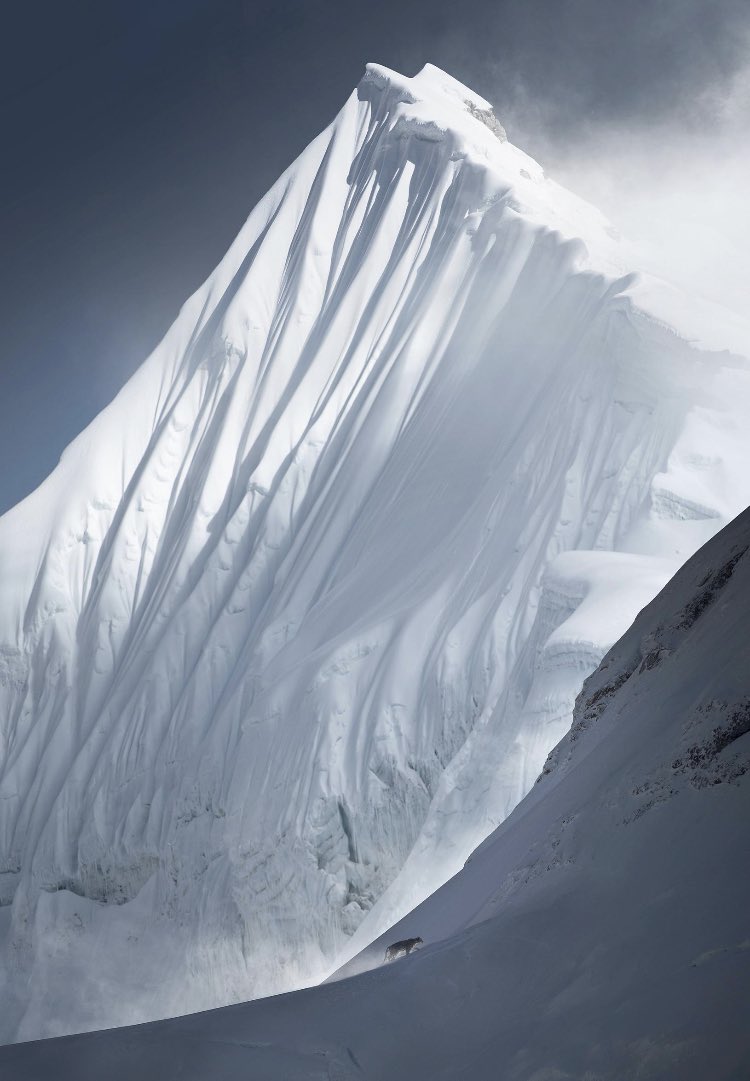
{"x":600,"y":932}
{"x":297,"y":619}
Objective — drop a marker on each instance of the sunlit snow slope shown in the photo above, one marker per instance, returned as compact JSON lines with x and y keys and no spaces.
{"x":601,"y":932}
{"x":297,"y":619}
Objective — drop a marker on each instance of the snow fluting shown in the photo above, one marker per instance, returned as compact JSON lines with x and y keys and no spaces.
{"x":600,"y":932}
{"x":295,"y":622}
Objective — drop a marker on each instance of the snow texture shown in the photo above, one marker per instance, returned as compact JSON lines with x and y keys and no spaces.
{"x":295,"y":622}
{"x":600,"y":932}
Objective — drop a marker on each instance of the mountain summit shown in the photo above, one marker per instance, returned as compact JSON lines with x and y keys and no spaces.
{"x":295,"y":622}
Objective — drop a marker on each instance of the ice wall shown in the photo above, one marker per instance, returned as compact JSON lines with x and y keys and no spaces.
{"x":297,"y":619}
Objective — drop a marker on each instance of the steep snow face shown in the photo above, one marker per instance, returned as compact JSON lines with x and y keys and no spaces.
{"x":295,"y":622}
{"x":601,"y":931}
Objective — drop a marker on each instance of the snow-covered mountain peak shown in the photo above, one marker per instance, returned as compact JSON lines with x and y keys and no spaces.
{"x":297,"y":619}
{"x":445,"y":100}
{"x":432,"y":86}
{"x":436,"y":107}
{"x":433,"y":106}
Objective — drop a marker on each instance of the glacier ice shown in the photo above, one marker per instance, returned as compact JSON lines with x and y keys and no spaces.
{"x":600,"y":931}
{"x":295,"y":622}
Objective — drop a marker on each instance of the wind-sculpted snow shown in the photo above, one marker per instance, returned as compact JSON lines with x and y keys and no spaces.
{"x":297,"y":619}
{"x":600,"y":932}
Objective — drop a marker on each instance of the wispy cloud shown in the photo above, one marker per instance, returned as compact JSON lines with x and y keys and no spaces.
{"x":660,"y":142}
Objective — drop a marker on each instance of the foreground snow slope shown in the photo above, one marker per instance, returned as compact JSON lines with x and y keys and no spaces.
{"x":296,"y":620}
{"x":601,"y":932}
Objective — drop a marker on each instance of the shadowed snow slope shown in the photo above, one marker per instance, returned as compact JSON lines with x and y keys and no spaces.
{"x":296,"y":620}
{"x":600,"y":932}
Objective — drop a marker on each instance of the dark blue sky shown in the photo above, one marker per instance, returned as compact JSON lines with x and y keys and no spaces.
{"x":138,"y":135}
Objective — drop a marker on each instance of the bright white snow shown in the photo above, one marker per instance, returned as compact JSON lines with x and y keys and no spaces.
{"x":600,"y":932}
{"x":296,"y":620}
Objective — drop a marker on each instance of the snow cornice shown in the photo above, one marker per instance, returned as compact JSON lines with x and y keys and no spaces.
{"x":434,"y":107}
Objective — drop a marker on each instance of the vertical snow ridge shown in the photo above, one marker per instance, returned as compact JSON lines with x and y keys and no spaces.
{"x":282,"y":656}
